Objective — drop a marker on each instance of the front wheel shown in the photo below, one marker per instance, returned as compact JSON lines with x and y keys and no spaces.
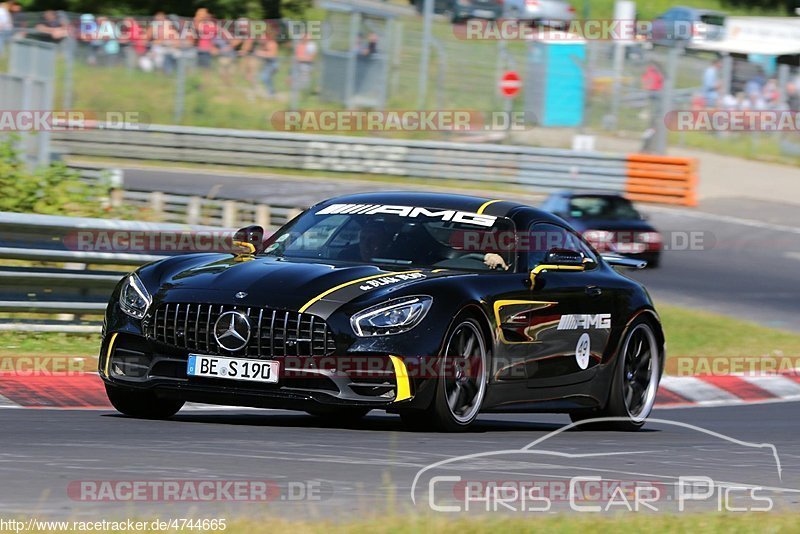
{"x":142,"y":404}
{"x":461,"y":384}
{"x":634,"y":386}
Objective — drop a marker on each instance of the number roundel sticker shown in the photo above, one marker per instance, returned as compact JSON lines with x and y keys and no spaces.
{"x":583,"y":350}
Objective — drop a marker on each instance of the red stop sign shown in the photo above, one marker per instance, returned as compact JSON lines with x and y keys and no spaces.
{"x":510,"y":83}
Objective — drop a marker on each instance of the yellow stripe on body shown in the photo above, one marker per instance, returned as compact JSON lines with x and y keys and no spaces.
{"x":351,"y":282}
{"x":486,"y":205}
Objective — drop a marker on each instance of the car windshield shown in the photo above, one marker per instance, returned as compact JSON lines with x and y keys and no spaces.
{"x":400,"y":236}
{"x":602,"y":207}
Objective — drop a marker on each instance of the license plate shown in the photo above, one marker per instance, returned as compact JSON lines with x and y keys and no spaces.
{"x":233,"y":368}
{"x":630,"y":248}
{"x":483,"y":13}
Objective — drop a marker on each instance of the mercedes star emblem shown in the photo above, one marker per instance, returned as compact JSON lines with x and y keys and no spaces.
{"x":240,"y":295}
{"x":232,"y":330}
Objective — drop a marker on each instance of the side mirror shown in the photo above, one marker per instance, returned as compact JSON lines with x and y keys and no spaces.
{"x":563,"y":257}
{"x":250,"y":238}
{"x":619,"y":261}
{"x":559,"y":259}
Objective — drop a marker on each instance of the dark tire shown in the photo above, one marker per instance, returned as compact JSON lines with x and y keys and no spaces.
{"x":461,"y":385}
{"x":635,"y":383}
{"x":142,"y":404}
{"x":655,"y":263}
{"x":339,"y":413}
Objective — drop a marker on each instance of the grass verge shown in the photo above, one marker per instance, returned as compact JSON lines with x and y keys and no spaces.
{"x":699,"y":333}
{"x":705,"y":523}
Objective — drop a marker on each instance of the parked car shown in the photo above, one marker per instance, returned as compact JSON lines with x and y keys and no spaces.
{"x":539,"y":11}
{"x":680,"y":26}
{"x":609,"y":222}
{"x":461,"y":10}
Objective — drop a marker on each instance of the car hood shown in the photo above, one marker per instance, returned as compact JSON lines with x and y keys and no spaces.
{"x":313,"y":287}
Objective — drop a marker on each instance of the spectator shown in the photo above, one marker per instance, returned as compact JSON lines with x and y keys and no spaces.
{"x":712,"y":83}
{"x":305,"y":52}
{"x":268,"y":52}
{"x":106,"y":41}
{"x":370,"y":46}
{"x":756,"y":83}
{"x":6,"y":25}
{"x":792,"y":97}
{"x":157,"y":35}
{"x":227,"y":55}
{"x":206,"y":33}
{"x":756,"y":101}
{"x":134,"y":38}
{"x":771,"y":93}
{"x":652,"y":79}
{"x":52,"y":28}
{"x":246,"y":49}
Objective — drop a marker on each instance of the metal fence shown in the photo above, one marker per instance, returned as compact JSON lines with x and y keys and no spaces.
{"x":532,"y":168}
{"x":463,"y":74}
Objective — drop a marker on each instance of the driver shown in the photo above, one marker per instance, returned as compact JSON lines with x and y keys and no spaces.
{"x":373,"y":242}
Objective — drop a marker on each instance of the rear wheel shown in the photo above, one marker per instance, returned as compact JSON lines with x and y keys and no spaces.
{"x":461,"y":384}
{"x":635,"y":383}
{"x":142,"y":404}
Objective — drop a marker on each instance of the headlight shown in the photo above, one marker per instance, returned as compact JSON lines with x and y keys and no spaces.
{"x":391,"y":317}
{"x":134,"y":298}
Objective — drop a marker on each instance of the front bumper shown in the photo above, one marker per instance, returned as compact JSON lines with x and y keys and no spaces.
{"x":382,"y":381}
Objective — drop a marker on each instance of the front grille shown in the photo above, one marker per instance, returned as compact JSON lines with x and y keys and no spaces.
{"x":273,"y":333}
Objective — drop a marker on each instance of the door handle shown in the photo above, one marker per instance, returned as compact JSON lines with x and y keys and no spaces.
{"x":594,"y":291}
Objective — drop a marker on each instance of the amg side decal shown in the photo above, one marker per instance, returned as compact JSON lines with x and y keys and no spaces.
{"x":584,"y":321}
{"x":464,"y":217}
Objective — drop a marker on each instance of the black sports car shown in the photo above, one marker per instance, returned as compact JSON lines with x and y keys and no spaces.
{"x":433,"y":306}
{"x":609,"y":222}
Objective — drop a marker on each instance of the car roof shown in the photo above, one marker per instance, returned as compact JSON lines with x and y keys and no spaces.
{"x":473,"y":204}
{"x":589,"y":193}
{"x":697,"y":10}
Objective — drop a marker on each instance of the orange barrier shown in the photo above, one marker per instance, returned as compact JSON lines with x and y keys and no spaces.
{"x":661,"y":179}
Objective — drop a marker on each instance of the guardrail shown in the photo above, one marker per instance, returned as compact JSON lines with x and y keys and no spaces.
{"x":66,"y":289}
{"x":186,"y":209}
{"x":541,"y":169}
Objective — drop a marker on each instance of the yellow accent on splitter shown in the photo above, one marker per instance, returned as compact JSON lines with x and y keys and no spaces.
{"x":401,"y":375}
{"x":108,"y":353}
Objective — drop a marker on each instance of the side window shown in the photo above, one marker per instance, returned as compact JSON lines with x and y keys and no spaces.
{"x":544,"y":237}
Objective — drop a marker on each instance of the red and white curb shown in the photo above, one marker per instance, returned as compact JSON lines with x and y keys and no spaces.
{"x":86,"y":391}
{"x":723,"y":390}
